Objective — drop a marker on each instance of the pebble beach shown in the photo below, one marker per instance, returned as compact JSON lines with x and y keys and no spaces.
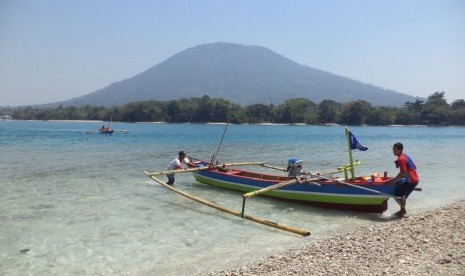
{"x":430,"y":243}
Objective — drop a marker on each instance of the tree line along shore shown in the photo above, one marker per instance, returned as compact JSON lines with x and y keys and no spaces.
{"x":433,"y":111}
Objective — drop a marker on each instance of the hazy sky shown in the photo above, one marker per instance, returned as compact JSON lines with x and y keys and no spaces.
{"x":53,"y":50}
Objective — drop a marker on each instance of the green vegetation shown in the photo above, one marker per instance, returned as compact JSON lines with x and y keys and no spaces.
{"x":434,"y":111}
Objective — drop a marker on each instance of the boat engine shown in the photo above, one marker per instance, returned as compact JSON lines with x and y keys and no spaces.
{"x":294,"y":167}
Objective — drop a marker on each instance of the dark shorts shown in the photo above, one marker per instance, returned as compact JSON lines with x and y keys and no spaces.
{"x":170,"y":179}
{"x":405,"y":189}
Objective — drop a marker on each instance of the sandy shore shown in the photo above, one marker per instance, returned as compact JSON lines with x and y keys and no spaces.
{"x":423,"y":244}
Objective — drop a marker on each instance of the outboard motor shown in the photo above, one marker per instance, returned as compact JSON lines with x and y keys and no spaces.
{"x":294,"y":167}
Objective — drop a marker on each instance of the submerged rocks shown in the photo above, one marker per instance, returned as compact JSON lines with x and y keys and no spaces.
{"x":24,"y":251}
{"x":423,"y":244}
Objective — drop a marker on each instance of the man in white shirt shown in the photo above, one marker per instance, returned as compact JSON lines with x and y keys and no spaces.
{"x":176,"y":164}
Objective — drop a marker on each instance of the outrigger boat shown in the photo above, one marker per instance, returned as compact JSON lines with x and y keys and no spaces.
{"x":106,"y":129}
{"x":366,"y":194}
{"x":361,"y":194}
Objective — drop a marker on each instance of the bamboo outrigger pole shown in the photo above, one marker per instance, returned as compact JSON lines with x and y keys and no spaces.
{"x":223,"y":166}
{"x":273,"y":167}
{"x":283,"y":184}
{"x":341,"y":169}
{"x":176,"y":171}
{"x":270,"y":188}
{"x":232,"y":212}
{"x":359,"y":187}
{"x":315,"y":177}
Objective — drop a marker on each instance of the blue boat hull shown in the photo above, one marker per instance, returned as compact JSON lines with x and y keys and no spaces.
{"x":330,"y":194}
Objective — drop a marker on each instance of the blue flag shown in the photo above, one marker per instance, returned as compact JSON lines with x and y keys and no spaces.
{"x":354,"y":144}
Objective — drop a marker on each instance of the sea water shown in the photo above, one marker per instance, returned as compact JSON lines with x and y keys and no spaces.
{"x":75,"y":202}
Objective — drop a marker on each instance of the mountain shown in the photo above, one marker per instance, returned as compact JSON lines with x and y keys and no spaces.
{"x":241,"y":74}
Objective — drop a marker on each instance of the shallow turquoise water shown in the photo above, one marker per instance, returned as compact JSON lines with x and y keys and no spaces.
{"x":82,"y":206}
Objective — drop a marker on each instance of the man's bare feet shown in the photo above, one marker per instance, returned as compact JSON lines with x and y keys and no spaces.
{"x":401,"y":214}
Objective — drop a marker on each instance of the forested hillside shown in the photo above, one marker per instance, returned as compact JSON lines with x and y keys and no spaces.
{"x":240,"y":74}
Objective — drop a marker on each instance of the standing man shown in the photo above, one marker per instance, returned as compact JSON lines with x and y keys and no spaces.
{"x":176,"y":164}
{"x":407,"y":178}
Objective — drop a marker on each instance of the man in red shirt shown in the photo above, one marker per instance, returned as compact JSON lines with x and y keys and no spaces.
{"x":407,"y":178}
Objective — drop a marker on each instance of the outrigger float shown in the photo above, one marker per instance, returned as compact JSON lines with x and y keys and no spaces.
{"x":365,"y":194}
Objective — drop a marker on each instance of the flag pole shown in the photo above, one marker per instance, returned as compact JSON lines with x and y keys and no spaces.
{"x":352,"y":171}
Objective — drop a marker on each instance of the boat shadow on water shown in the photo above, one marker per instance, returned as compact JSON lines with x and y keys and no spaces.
{"x":272,"y":207}
{"x":311,"y":210}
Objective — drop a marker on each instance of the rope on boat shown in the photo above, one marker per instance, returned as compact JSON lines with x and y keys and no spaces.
{"x":229,"y":211}
{"x":359,"y":187}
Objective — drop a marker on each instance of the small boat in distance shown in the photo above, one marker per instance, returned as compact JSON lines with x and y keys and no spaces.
{"x":105,"y":130}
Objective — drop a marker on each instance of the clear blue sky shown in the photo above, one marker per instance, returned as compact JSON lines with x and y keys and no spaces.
{"x":53,"y":50}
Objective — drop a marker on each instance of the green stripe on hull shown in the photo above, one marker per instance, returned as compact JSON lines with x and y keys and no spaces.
{"x":310,"y":197}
